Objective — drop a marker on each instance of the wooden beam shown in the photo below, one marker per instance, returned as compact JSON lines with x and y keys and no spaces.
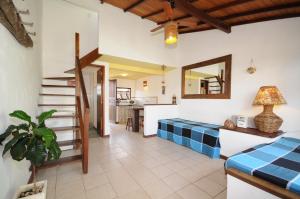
{"x":262,"y":10}
{"x":245,"y":22}
{"x":89,"y":58}
{"x":153,"y":13}
{"x":213,"y":9}
{"x":133,"y":5}
{"x":201,"y":15}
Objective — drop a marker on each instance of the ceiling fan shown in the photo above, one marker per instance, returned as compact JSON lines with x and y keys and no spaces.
{"x":171,"y":27}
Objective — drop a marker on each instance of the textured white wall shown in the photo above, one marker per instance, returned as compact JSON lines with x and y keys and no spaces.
{"x":60,"y":22}
{"x":275,"y":48}
{"x":20,"y":79}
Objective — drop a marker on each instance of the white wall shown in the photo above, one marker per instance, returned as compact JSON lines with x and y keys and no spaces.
{"x":60,"y":22}
{"x":127,"y":35}
{"x":153,"y":113}
{"x":20,"y":80}
{"x":172,"y":82}
{"x":275,"y":48}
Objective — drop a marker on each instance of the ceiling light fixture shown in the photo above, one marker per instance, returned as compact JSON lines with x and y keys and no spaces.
{"x":171,"y":33}
{"x":124,"y":74}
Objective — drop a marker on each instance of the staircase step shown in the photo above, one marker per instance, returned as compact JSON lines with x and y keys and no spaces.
{"x":65,"y":128}
{"x":60,"y":78}
{"x":56,"y":95}
{"x":71,"y":71}
{"x":56,"y":104}
{"x":61,"y":161}
{"x":57,"y":86}
{"x":69,"y":142}
{"x":63,"y":116}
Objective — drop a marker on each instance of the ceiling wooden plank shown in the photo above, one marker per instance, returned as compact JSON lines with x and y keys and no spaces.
{"x":213,"y":9}
{"x":262,"y":10}
{"x":259,"y":11}
{"x":285,"y":16}
{"x":201,"y":15}
{"x":228,"y":5}
{"x":160,"y":11}
{"x":133,"y":5}
{"x":153,"y":13}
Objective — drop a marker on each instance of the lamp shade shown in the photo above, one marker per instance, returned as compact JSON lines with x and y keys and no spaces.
{"x":269,"y":95}
{"x":171,"y":33}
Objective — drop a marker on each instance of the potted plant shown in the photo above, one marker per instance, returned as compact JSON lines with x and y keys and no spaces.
{"x":35,"y":143}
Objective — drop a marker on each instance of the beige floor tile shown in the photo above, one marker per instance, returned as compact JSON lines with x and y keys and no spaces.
{"x":151,"y":163}
{"x":162,"y":171}
{"x":158,"y":190}
{"x":222,"y":195}
{"x":93,"y":181}
{"x":122,"y":182}
{"x":219,"y":177}
{"x":139,"y":194}
{"x":175,"y":181}
{"x":192,"y":192}
{"x":173,"y":196}
{"x":103,"y":192}
{"x":209,"y":186}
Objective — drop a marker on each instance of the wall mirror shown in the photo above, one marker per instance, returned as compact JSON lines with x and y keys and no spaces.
{"x":209,"y":79}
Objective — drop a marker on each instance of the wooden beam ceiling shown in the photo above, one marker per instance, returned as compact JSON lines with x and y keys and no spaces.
{"x":133,"y":5}
{"x":201,"y":15}
{"x":211,"y":10}
{"x":211,"y":14}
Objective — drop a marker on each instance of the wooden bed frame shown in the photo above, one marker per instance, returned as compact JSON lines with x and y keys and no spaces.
{"x":262,"y":184}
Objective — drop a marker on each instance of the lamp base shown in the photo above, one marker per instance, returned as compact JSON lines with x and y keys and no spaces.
{"x":267,"y":121}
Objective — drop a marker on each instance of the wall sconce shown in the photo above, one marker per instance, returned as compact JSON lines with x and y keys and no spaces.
{"x":145,"y":84}
{"x":251,"y":70}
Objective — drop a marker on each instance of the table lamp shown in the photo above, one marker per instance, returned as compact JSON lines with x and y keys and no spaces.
{"x":267,"y":121}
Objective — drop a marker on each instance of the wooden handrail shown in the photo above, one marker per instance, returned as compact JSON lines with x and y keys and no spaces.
{"x":83,"y":113}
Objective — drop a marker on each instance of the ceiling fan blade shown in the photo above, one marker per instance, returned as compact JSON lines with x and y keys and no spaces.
{"x":187,"y":23}
{"x":158,"y":28}
{"x":168,"y":9}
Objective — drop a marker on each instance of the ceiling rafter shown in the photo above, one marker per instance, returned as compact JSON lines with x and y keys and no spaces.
{"x":151,"y":14}
{"x":285,"y":16}
{"x":211,"y":10}
{"x":133,"y":5}
{"x":258,"y":11}
{"x":201,"y":15}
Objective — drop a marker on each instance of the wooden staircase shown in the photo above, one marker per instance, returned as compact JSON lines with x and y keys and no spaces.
{"x":68,"y":96}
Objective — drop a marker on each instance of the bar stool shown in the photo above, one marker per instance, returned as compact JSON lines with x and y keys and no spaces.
{"x":141,"y":120}
{"x":129,"y":123}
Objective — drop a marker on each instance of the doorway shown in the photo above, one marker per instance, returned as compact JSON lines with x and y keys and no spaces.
{"x":94,"y":77}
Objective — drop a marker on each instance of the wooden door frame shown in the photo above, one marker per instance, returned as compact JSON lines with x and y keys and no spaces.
{"x":100,"y":99}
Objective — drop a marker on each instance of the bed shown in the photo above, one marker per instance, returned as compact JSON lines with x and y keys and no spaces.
{"x":200,"y":137}
{"x":277,"y":163}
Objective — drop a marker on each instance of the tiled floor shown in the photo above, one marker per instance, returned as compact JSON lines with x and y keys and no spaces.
{"x":128,"y":166}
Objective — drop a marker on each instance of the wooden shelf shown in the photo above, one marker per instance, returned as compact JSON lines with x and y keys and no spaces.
{"x":256,"y":132}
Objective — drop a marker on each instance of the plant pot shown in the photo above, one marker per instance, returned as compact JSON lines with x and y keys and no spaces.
{"x":41,"y":195}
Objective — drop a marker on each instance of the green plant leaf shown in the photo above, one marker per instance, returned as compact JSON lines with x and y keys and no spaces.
{"x":8,"y":132}
{"x":18,"y":151}
{"x":24,"y":127}
{"x":54,"y":151}
{"x":21,"y":115}
{"x":36,"y":152}
{"x":47,"y":135}
{"x":45,"y":115}
{"x":13,"y":141}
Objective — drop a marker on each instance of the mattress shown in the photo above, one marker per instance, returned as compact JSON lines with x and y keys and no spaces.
{"x":277,"y":162}
{"x":201,"y":137}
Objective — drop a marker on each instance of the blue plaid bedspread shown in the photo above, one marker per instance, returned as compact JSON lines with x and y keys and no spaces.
{"x":201,"y":137}
{"x":277,"y":162}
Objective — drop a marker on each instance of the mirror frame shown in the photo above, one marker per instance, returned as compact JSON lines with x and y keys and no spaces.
{"x":226,"y":95}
